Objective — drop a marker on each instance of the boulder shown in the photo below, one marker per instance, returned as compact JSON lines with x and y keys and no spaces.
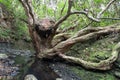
{"x":30,"y":77}
{"x":3,"y":56}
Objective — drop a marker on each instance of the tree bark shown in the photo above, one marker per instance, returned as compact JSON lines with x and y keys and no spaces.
{"x":102,"y":65}
{"x":59,"y":44}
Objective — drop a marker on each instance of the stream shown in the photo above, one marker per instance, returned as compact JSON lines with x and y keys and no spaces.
{"x":15,"y":64}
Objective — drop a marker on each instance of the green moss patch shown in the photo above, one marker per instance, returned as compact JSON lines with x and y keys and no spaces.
{"x":93,"y":75}
{"x":94,"y":50}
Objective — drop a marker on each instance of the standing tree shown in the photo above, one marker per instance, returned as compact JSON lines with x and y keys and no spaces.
{"x":48,"y":41}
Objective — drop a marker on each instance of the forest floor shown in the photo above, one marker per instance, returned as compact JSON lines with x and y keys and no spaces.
{"x":95,"y":50}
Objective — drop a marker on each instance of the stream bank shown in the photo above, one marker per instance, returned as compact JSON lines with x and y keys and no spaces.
{"x":21,"y":63}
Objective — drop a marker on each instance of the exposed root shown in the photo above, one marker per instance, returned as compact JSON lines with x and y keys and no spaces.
{"x":102,"y":65}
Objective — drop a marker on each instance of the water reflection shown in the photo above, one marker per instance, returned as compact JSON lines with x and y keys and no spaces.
{"x":41,"y":70}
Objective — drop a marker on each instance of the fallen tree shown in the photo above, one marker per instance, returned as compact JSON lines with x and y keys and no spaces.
{"x":48,"y":41}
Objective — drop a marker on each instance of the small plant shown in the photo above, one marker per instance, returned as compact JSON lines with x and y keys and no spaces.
{"x":5,"y":33}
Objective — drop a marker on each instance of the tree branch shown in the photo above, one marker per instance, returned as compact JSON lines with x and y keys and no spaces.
{"x":111,"y":18}
{"x":107,"y":6}
{"x":94,"y":34}
{"x":67,"y":44}
{"x":60,"y":37}
{"x":86,"y":14}
{"x":27,"y":4}
{"x":63,"y":7}
{"x":70,"y":3}
{"x":30,"y":14}
{"x":91,"y":30}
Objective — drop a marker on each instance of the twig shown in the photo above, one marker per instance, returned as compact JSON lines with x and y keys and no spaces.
{"x":63,"y":7}
{"x":111,"y":18}
{"x":88,"y":24}
{"x":86,"y":14}
{"x":70,"y":2}
{"x":107,"y":6}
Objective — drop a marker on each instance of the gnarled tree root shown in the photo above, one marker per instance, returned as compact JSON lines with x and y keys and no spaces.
{"x":102,"y":65}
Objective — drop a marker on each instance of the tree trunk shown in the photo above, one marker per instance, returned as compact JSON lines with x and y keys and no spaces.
{"x":43,"y":35}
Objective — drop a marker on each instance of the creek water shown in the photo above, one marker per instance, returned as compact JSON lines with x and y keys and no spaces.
{"x":20,"y":63}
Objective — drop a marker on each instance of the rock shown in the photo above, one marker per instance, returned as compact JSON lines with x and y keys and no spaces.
{"x":117,"y":74}
{"x":30,"y":77}
{"x":59,"y":79}
{"x":3,"y":56}
{"x":63,"y":71}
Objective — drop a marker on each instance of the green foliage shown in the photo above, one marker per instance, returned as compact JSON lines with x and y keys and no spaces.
{"x":56,"y":9}
{"x":15,"y":8}
{"x":92,"y":75}
{"x":5,"y":33}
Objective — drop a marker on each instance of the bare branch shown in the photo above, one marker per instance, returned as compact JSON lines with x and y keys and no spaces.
{"x":70,"y":2}
{"x":23,"y":2}
{"x":88,"y":25}
{"x":86,"y":14}
{"x":33,"y":15}
{"x":95,"y":34}
{"x":30,"y":14}
{"x":61,"y":20}
{"x":27,"y":4}
{"x":90,"y":30}
{"x":60,"y":37}
{"x":94,"y":29}
{"x":111,"y":18}
{"x":107,"y":6}
{"x":66,"y":45}
{"x":63,"y":7}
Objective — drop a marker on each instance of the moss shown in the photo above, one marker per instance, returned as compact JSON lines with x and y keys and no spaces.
{"x":20,"y":60}
{"x":24,"y":63}
{"x":5,"y":33}
{"x":94,"y":50}
{"x":92,"y":75}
